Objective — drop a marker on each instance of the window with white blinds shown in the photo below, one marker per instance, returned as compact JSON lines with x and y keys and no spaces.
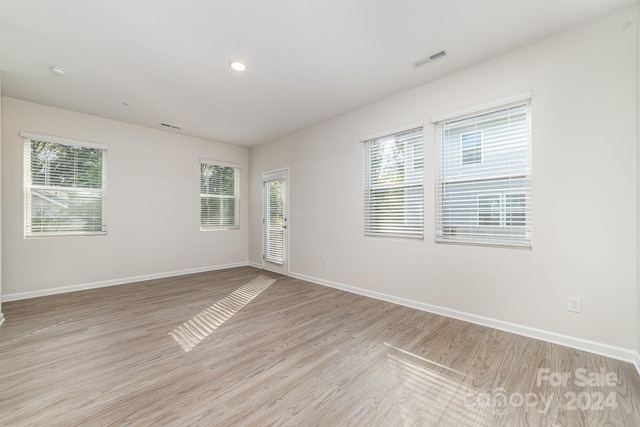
{"x":219,"y":201}
{"x":483,"y":188}
{"x":394,"y":185}
{"x":65,"y":187}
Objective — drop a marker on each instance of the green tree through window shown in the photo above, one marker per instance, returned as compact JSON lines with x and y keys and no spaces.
{"x":64,"y":188}
{"x":394,"y":181}
{"x":218,"y":196}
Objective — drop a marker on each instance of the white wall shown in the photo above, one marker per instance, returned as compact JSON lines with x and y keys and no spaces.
{"x":152,"y":213}
{"x":584,"y":192}
{"x":638,"y":189}
{"x":1,"y":314}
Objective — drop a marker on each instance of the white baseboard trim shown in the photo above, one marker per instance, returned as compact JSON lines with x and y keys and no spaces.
{"x":1,"y":318}
{"x":619,"y":353}
{"x":114,"y":282}
{"x":256,"y":265}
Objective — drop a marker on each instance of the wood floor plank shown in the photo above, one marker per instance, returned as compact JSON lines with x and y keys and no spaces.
{"x":293,"y":354}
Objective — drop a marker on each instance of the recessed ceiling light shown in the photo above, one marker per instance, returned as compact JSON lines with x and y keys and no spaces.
{"x":237,"y":66}
{"x":58,"y":71}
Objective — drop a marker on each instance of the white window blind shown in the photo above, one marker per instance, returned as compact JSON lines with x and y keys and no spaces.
{"x":483,"y":186}
{"x":65,"y":187}
{"x":219,"y":201}
{"x":394,"y":185}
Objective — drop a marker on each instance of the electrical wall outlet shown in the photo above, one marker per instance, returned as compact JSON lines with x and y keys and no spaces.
{"x":324,"y":263}
{"x":574,"y":304}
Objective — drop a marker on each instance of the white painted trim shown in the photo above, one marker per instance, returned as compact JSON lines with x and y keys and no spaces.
{"x":256,"y":265}
{"x":218,"y":163}
{"x":382,"y":134}
{"x":63,"y":141}
{"x":275,"y":174}
{"x":619,"y":353}
{"x":114,"y":282}
{"x":485,"y":108}
{"x":271,"y":175}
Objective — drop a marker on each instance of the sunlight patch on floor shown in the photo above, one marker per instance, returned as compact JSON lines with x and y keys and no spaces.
{"x":200,"y":326}
{"x":432,"y":394}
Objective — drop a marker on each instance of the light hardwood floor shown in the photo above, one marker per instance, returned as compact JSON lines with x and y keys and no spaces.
{"x":250,"y":348}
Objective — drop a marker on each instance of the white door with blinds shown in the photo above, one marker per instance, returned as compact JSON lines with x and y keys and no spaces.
{"x":275,"y":221}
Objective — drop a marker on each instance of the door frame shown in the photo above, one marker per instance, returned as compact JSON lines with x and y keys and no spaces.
{"x":269,"y":176}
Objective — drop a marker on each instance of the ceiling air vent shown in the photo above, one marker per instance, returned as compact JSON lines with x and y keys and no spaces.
{"x":424,"y":61}
{"x":170,"y":126}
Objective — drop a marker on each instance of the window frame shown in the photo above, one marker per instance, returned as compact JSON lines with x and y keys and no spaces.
{"x":408,"y":227}
{"x":505,"y":215}
{"x":236,"y":196}
{"x":29,"y":188}
{"x":513,"y":198}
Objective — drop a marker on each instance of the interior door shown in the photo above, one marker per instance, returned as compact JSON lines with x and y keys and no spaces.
{"x":275,"y":224}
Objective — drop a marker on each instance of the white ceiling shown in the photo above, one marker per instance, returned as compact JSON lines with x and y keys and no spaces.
{"x":307,"y":60}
